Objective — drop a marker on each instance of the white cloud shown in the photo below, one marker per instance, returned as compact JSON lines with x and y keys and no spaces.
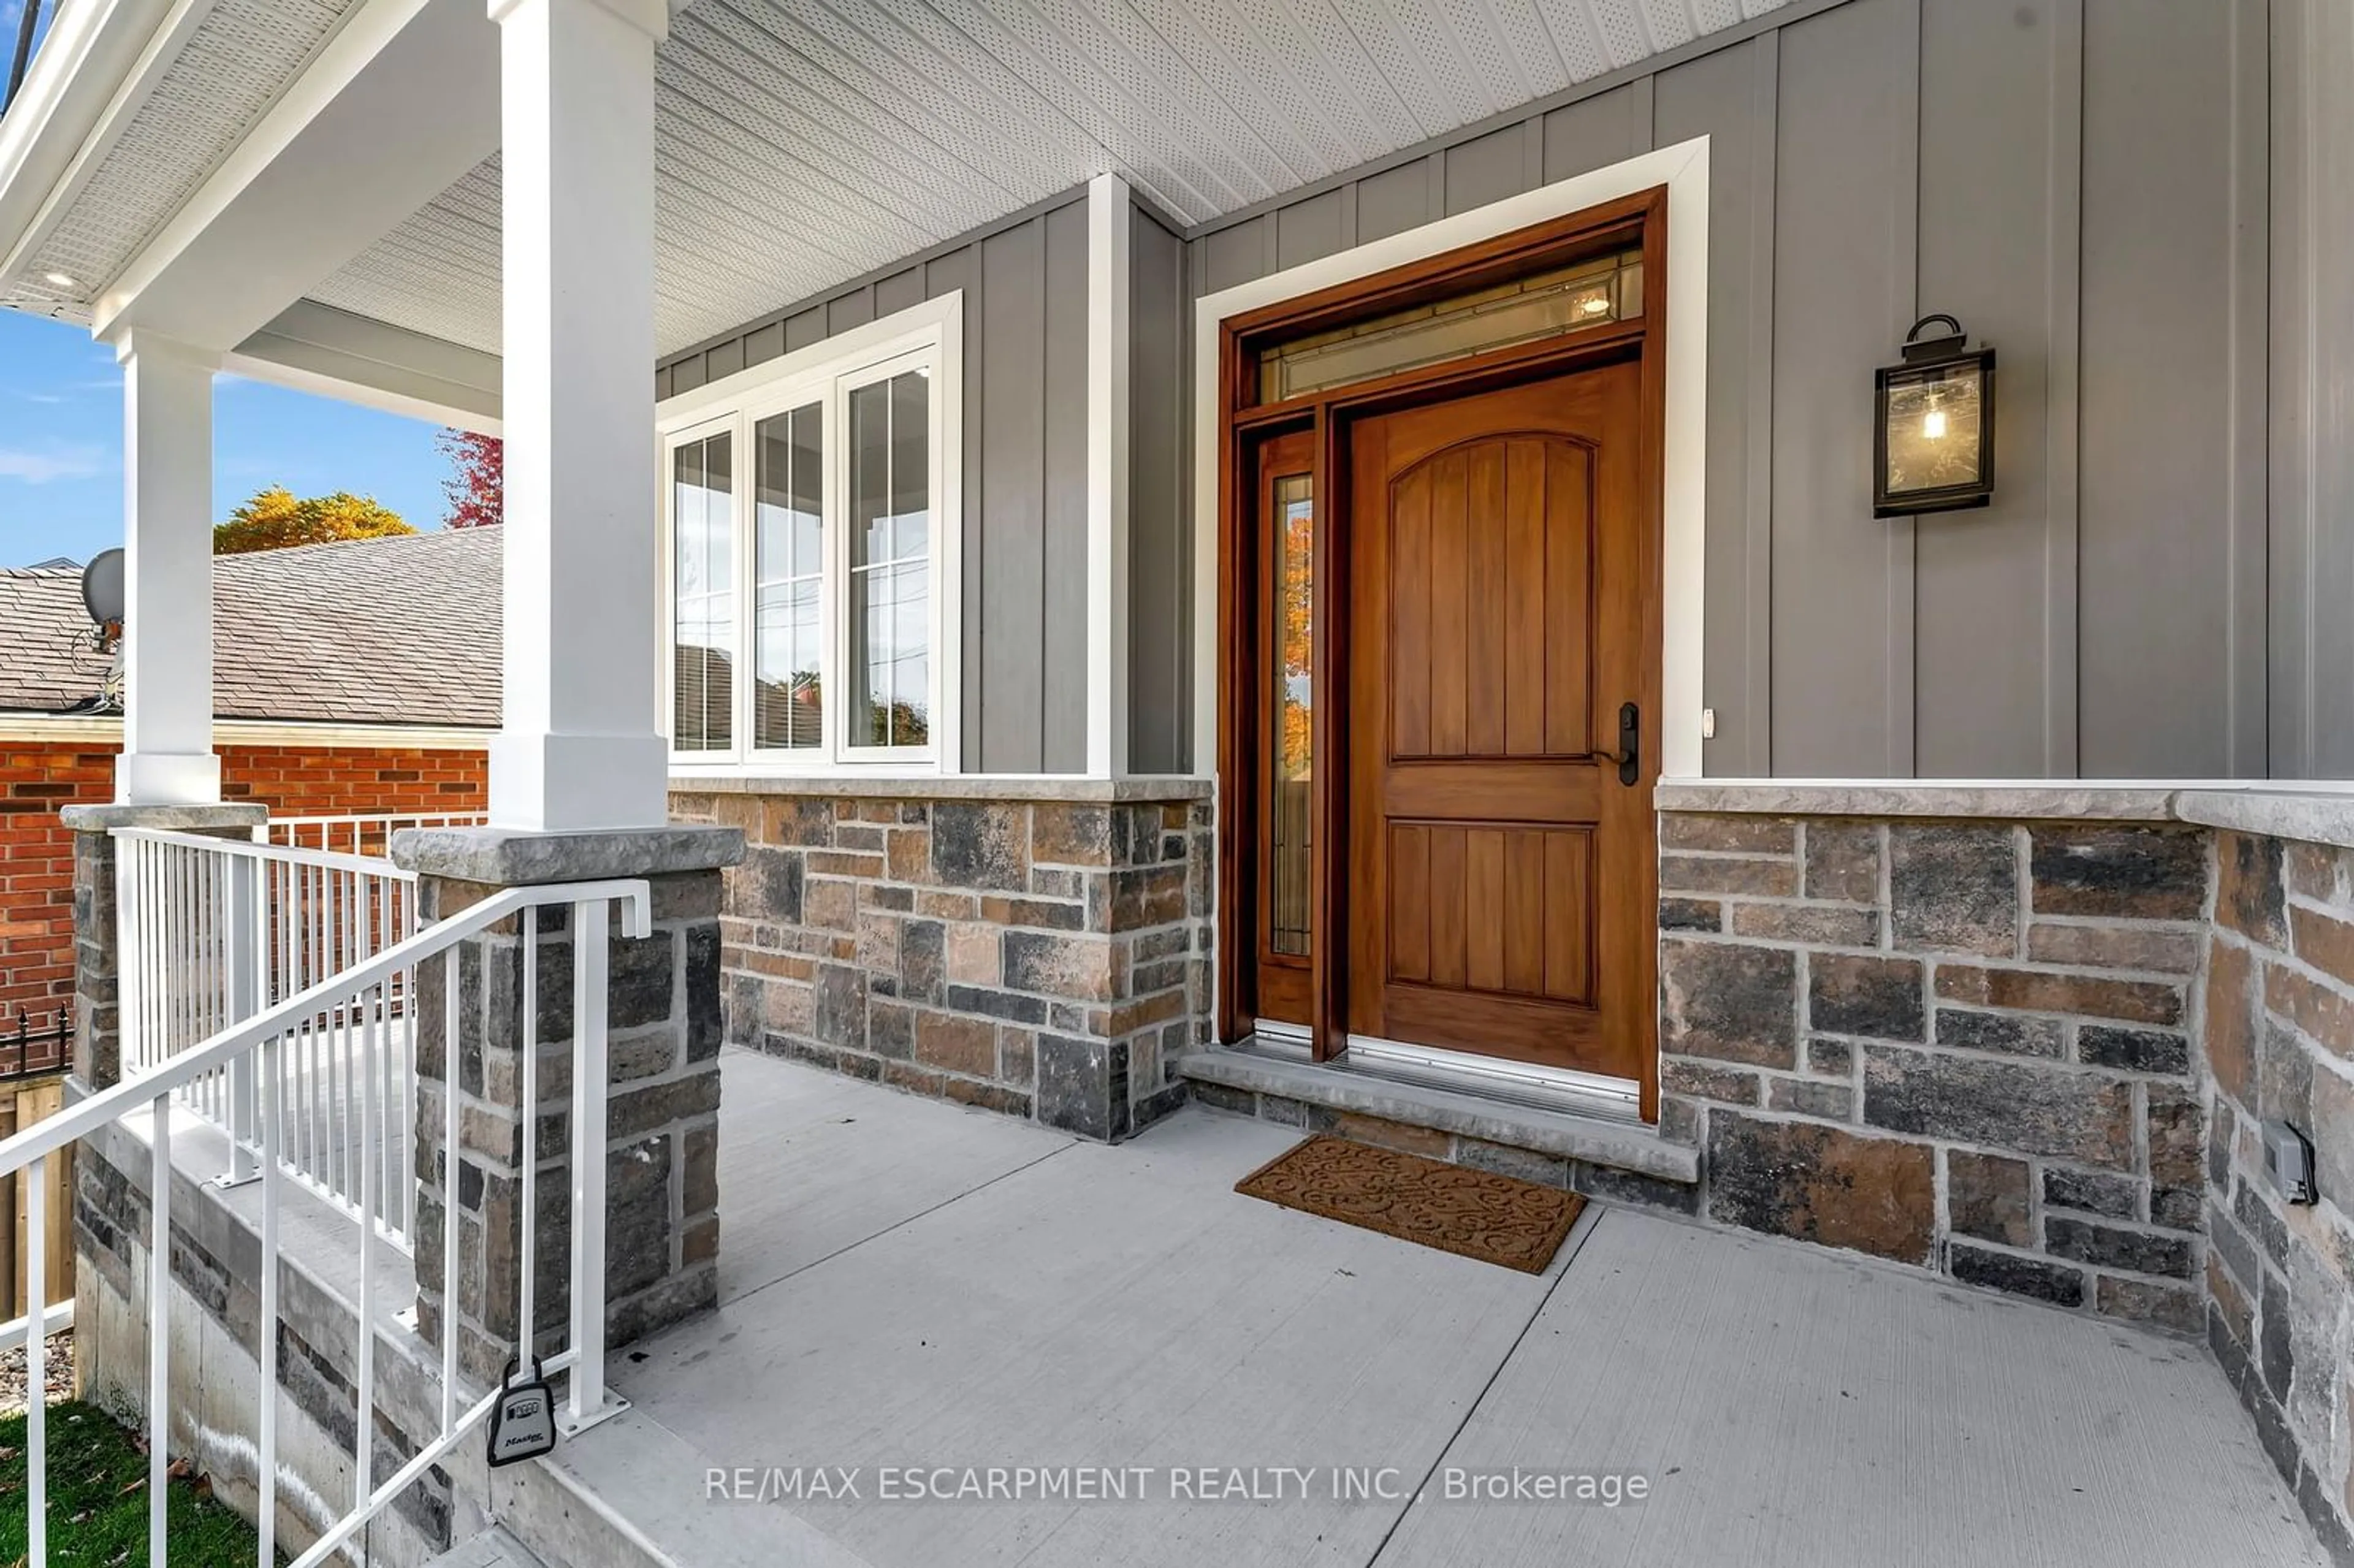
{"x":58,"y":463}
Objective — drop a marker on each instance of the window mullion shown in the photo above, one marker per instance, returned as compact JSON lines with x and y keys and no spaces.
{"x":833,"y":562}
{"x":935,"y":541}
{"x":743,"y":512}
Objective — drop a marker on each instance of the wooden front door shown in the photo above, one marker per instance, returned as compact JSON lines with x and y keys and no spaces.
{"x":1500,"y":876}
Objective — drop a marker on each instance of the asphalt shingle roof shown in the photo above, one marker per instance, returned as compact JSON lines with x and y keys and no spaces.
{"x":402,"y":630}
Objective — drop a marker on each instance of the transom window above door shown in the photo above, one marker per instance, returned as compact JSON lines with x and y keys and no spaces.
{"x":1593,"y":292}
{"x":808,"y":525}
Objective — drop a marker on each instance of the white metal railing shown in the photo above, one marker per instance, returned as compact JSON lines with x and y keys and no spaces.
{"x":368,"y":833}
{"x":211,"y":931}
{"x":260,"y":1047}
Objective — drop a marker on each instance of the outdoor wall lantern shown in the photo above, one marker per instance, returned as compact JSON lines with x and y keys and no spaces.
{"x":1932,"y":450}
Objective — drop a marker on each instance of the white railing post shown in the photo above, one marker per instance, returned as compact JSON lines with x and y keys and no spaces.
{"x":159,"y":1330}
{"x":528,"y":1281}
{"x":245,"y":941}
{"x":37,"y":1365}
{"x":452,"y":1234}
{"x":590,"y":957}
{"x":364,"y":1457}
{"x":265,"y":1442}
{"x":130,"y":949}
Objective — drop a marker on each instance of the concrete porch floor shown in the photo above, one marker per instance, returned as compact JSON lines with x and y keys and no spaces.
{"x":908,"y":1283}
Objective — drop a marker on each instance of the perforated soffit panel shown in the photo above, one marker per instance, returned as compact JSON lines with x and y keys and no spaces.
{"x":803,"y":142}
{"x":240,"y":57}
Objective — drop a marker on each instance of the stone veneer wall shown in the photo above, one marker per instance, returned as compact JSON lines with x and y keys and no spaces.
{"x":1043,"y":950}
{"x":2034,"y":1056}
{"x":662,"y":1121}
{"x":216,"y":1367}
{"x":2279,"y":1035}
{"x":1961,"y":1045}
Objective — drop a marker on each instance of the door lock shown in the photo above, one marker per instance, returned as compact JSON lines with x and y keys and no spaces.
{"x":1630,"y":754}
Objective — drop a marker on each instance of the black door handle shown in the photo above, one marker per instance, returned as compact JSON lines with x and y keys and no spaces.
{"x":1629,"y":754}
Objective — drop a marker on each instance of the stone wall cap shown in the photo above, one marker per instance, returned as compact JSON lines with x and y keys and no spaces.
{"x":952,"y":787}
{"x":2323,"y":814}
{"x":2320,"y":811}
{"x":517,"y":857}
{"x":2017,"y":800}
{"x":106,"y":818}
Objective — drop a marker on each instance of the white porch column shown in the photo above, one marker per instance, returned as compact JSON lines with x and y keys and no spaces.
{"x":579,"y":749}
{"x":167,"y":623}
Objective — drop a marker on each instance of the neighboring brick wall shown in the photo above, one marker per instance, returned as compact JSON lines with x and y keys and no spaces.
{"x":340,"y":781}
{"x":1047,"y":959}
{"x":38,"y":778}
{"x":37,"y":860}
{"x":1962,"y":1045}
{"x":2279,"y":1034}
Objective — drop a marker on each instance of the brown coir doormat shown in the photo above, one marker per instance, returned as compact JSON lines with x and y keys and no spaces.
{"x":1475,"y":1213}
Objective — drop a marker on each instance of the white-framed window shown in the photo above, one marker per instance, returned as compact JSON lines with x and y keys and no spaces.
{"x":811,"y":550}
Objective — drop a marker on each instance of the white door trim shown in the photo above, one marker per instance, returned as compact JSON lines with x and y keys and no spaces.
{"x":1683,"y":169}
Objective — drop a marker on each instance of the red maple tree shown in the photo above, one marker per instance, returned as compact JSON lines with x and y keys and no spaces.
{"x":476,"y":490}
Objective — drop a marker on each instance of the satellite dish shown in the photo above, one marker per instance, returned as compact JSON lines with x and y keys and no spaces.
{"x":102,"y":588}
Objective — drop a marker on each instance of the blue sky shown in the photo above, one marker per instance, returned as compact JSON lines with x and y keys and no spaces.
{"x":61,"y":439}
{"x":10,"y":12}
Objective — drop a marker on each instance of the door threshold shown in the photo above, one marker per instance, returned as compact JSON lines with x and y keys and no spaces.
{"x":1524,"y":1084}
{"x":1297,"y":1093}
{"x":1497,"y":1079}
{"x":1273,"y":1037}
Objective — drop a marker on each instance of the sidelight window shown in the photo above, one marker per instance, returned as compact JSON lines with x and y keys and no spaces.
{"x":1290,"y":751}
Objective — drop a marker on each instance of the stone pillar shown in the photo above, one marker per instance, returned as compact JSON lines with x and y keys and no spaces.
{"x":662,"y":1124}
{"x":167,"y":629}
{"x":578,"y":750}
{"x":98,"y":1024}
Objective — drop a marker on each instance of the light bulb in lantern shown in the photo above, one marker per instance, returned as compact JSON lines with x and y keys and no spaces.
{"x":1933,"y":425}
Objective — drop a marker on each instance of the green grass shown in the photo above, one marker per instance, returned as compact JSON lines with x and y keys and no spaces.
{"x":98,"y":1499}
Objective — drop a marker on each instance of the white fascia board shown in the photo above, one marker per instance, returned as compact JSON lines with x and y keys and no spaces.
{"x":317,"y":348}
{"x":94,"y":73}
{"x":397,"y":107}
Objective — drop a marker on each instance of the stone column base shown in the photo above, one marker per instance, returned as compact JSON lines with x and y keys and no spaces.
{"x":662,"y":1124}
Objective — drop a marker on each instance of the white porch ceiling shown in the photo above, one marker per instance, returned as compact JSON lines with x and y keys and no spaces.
{"x":236,"y":63}
{"x":804,"y":142}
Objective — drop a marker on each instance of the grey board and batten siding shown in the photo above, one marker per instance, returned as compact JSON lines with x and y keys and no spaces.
{"x":1025,"y":362}
{"x":1160,"y":507}
{"x":2312,"y":462}
{"x":2086,"y":183}
{"x":1024,"y":475}
{"x":2083,"y":183}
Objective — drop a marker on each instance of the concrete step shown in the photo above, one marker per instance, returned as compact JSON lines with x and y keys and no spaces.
{"x":639,"y":1502}
{"x":495,"y":1548}
{"x":629,"y":1493}
{"x":1629,"y":1160}
{"x":567,"y":1521}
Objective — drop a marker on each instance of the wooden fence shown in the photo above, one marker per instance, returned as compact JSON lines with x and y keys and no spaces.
{"x":23,"y":1103}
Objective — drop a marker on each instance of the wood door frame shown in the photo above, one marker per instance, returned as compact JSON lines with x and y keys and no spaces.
{"x":1638,"y":218}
